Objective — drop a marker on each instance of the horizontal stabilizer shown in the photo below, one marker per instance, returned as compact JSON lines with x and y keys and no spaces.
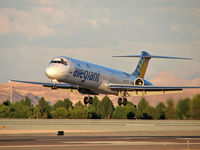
{"x":154,"y":56}
{"x":144,"y":60}
{"x":167,"y":57}
{"x":127,"y":56}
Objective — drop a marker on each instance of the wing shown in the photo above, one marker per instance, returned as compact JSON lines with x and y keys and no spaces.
{"x":132,"y":90}
{"x":51,"y":85}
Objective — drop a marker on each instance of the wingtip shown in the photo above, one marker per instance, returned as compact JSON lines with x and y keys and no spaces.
{"x":9,"y":80}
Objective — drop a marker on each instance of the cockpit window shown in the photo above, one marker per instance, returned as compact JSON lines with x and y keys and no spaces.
{"x":63,"y":62}
{"x":59,"y":61}
{"x":55,"y":61}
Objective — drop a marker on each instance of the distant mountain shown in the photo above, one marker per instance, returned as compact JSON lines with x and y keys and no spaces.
{"x":17,"y":94}
{"x":35,"y":92}
{"x":169,"y":79}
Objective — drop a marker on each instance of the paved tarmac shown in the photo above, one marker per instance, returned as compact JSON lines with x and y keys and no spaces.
{"x":22,"y":134}
{"x":99,"y":142}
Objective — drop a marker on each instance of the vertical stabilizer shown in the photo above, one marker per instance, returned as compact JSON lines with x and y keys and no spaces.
{"x":142,"y":65}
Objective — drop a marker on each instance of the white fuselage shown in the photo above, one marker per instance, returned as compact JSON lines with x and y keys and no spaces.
{"x":86,"y":75}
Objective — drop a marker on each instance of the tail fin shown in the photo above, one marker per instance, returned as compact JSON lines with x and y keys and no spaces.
{"x":144,"y":61}
{"x":142,"y":65}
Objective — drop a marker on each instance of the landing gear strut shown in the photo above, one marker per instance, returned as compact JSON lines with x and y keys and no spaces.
{"x":87,"y":100}
{"x":122,"y":101}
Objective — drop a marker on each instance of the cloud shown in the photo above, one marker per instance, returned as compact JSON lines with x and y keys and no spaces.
{"x":49,"y":18}
{"x":143,"y":24}
{"x":5,"y":25}
{"x":169,"y":9}
{"x":27,"y":23}
{"x":187,"y":49}
{"x":180,"y":67}
{"x":94,"y":31}
{"x":196,"y":12}
{"x":195,"y":30}
{"x":176,"y":28}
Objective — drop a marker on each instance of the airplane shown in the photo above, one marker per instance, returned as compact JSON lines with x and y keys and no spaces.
{"x":91,"y":79}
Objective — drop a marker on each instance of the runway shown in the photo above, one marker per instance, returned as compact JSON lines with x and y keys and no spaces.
{"x":22,"y":134}
{"x":99,"y":142}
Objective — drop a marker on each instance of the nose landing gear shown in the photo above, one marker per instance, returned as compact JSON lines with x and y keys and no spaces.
{"x":122,"y":101}
{"x":88,"y":100}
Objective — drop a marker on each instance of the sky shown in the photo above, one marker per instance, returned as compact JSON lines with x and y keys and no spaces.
{"x":32,"y":32}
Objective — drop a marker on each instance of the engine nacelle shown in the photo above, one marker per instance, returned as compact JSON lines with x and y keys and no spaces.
{"x":139,"y":81}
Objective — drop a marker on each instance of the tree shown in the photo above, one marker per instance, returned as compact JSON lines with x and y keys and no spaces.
{"x":93,"y":109}
{"x":44,"y":109}
{"x":23,"y":109}
{"x":142,"y":109}
{"x":160,"y":111}
{"x":27,"y":102}
{"x":36,"y":112}
{"x":105,"y":108}
{"x":60,"y":113}
{"x":131,"y":110}
{"x":120,"y":113}
{"x":151,"y":112}
{"x":58,"y":104}
{"x":170,"y":110}
{"x":79,"y":103}
{"x":7,"y":103}
{"x":183,"y":109}
{"x":66,"y":104}
{"x":7,"y":109}
{"x":95,"y":101}
{"x":195,"y":107}
{"x":125,"y":112}
{"x":79,"y":111}
{"x":4,"y":111}
{"x":92,"y":113}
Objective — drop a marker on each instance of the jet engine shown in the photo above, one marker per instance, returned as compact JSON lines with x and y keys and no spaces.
{"x":139,"y":81}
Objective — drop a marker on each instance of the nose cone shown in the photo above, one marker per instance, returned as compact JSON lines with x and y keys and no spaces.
{"x":50,"y":72}
{"x":53,"y":72}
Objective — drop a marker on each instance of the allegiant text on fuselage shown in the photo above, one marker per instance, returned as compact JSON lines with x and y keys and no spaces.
{"x":86,"y":75}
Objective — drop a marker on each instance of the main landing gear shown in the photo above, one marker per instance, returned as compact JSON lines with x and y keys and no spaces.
{"x":122,"y":101}
{"x":88,"y":100}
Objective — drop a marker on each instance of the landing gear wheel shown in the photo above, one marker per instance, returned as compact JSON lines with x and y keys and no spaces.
{"x":120,"y":101}
{"x":85,"y":100}
{"x":124,"y":101}
{"x":90,"y":100}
